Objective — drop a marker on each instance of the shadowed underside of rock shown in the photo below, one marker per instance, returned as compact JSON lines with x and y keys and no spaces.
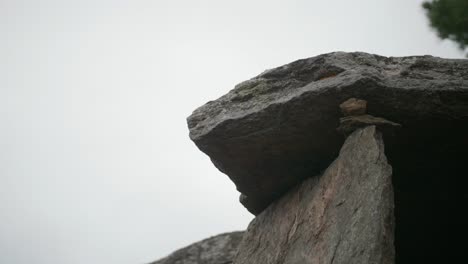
{"x":344,"y":216}
{"x":219,"y":249}
{"x":273,"y":131}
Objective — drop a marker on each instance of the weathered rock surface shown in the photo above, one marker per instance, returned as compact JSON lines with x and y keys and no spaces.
{"x":219,"y":249}
{"x":350,"y":123}
{"x":353,"y":107}
{"x":343,"y":216}
{"x":273,"y":131}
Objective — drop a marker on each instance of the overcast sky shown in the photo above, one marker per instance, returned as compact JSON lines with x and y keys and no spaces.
{"x":96,"y":165}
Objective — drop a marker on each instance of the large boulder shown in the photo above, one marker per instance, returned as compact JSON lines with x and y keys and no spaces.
{"x":219,"y":249}
{"x":344,"y":216}
{"x":271,"y":132}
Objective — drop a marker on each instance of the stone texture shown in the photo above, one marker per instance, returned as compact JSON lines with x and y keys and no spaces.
{"x":219,"y":249}
{"x":273,"y":131}
{"x":350,"y":123}
{"x":343,"y":216}
{"x":353,"y":107}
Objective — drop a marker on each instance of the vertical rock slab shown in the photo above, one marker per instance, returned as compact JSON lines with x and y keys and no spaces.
{"x":344,"y":216}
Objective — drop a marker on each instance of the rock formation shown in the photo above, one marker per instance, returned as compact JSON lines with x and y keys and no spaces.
{"x":380,"y":184}
{"x":343,"y":216}
{"x":273,"y":131}
{"x":219,"y":249}
{"x":356,"y":117}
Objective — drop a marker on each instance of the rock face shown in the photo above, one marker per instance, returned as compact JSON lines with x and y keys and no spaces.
{"x":271,"y":132}
{"x":343,"y":216}
{"x":276,"y":135}
{"x":219,"y":249}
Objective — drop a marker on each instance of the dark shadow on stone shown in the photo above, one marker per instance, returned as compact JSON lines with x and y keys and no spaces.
{"x":429,"y":178}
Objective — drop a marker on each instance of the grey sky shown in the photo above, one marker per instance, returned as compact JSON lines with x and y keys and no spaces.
{"x":96,"y":164}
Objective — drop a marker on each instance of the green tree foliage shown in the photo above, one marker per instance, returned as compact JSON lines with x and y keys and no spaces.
{"x":450,"y":19}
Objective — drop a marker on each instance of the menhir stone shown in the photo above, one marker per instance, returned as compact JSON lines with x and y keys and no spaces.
{"x":344,"y":216}
{"x":270,"y":133}
{"x":219,"y":249}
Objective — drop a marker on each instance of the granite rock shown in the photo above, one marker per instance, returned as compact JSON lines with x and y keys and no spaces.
{"x":344,"y":216}
{"x":270,"y":133}
{"x":219,"y":249}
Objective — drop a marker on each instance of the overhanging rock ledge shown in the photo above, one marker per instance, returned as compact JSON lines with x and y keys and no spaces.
{"x":271,"y":132}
